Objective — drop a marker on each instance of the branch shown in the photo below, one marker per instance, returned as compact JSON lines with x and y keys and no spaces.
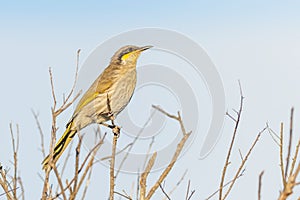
{"x":260,"y":185}
{"x":290,"y":144}
{"x":162,"y":189}
{"x":145,"y":175}
{"x":237,"y":122}
{"x":176,"y":154}
{"x":243,"y":162}
{"x":281,"y":155}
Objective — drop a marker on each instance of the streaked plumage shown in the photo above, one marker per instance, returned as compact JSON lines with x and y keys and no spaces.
{"x":117,"y":81}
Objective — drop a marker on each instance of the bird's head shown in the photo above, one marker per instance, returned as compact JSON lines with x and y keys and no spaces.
{"x":128,"y":54}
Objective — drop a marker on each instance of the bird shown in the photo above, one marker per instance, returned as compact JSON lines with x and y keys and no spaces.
{"x":116,"y":84}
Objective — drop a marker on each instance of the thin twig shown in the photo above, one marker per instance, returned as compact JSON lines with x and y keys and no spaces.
{"x":5,"y":185}
{"x":260,"y":184}
{"x":290,"y":145}
{"x":22,"y":188}
{"x":295,"y":158}
{"x":87,"y":184}
{"x":112,"y":168}
{"x":89,"y":157}
{"x":77,"y":154}
{"x":243,"y":162}
{"x":15,"y":146}
{"x":123,"y":195}
{"x":169,"y":167}
{"x":192,"y":193}
{"x":116,"y":132}
{"x":188,"y":190}
{"x":281,"y":155}
{"x":148,"y":151}
{"x":133,"y":142}
{"x":58,"y":177}
{"x":275,"y":137}
{"x":36,"y":117}
{"x":290,"y":184}
{"x":226,"y":184}
{"x":162,"y":189}
{"x":177,"y":184}
{"x":176,"y":154}
{"x":144,"y":176}
{"x":118,"y":152}
{"x":237,"y":122}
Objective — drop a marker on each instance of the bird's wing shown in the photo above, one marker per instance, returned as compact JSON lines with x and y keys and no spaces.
{"x":100,"y":86}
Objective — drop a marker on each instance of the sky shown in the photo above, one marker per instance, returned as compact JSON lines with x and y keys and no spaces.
{"x":255,"y":42}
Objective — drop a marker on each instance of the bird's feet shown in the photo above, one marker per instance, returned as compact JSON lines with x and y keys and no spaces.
{"x":115,"y":129}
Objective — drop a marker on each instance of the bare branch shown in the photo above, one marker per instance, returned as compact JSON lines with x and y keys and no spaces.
{"x":260,"y":185}
{"x":133,"y":142}
{"x":226,"y":184}
{"x":243,"y":163}
{"x":290,"y":144}
{"x":188,"y":190}
{"x":227,"y":161}
{"x":162,"y":189}
{"x":144,"y":176}
{"x":36,"y":117}
{"x":281,"y":155}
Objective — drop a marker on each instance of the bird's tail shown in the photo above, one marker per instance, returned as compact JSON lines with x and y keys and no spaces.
{"x":60,"y":145}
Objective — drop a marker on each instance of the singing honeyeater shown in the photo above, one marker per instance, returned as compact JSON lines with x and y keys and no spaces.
{"x":117,"y":82}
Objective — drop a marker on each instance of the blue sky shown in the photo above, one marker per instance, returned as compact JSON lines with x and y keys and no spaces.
{"x":256,"y":42}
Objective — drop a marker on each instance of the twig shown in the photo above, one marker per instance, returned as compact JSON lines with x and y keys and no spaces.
{"x":65,"y":162}
{"x":162,"y":189}
{"x":75,"y":78}
{"x":122,"y":195}
{"x":169,"y":167}
{"x":89,"y":165}
{"x":118,"y":152}
{"x":116,"y":132}
{"x":133,"y":142}
{"x":178,"y":183}
{"x":87,"y":184}
{"x":90,"y":156}
{"x":243,"y":163}
{"x":15,"y":146}
{"x":295,"y":158}
{"x":144,"y":176}
{"x":288,"y":189}
{"x":192,"y":193}
{"x":11,"y":190}
{"x":237,"y":122}
{"x":5,"y":185}
{"x":138,"y":186}
{"x":176,"y":154}
{"x":112,"y":167}
{"x":260,"y":185}
{"x":77,"y":154}
{"x":36,"y":117}
{"x":226,"y":184}
{"x":55,"y":112}
{"x":148,"y":151}
{"x":187,"y":190}
{"x":58,"y":177}
{"x":281,"y":155}
{"x":290,"y":144}
{"x":22,"y":188}
{"x":275,"y":137}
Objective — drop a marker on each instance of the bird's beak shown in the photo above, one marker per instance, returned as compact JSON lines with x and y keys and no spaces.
{"x":145,"y":48}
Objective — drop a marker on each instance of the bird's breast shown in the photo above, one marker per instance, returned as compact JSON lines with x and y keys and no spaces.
{"x":122,"y":91}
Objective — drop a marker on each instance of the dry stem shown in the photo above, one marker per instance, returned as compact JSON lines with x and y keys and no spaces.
{"x":172,"y":162}
{"x":260,"y":184}
{"x":237,"y":121}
